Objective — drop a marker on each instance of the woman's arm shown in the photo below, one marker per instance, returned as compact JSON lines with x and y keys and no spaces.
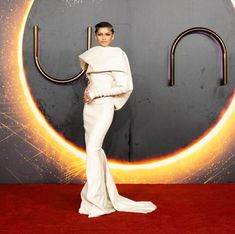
{"x":121,"y":86}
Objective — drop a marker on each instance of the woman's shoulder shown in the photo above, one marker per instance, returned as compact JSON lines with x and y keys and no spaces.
{"x":102,"y":48}
{"x":117,"y":48}
{"x":107,"y":53}
{"x":119,"y":51}
{"x":105,"y":48}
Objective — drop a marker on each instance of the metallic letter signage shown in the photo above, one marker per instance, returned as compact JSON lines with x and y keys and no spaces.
{"x":202,"y":30}
{"x":209,"y":33}
{"x":39,"y":67}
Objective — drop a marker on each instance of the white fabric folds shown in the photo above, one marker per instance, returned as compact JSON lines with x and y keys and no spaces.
{"x":109,"y":59}
{"x":99,"y":194}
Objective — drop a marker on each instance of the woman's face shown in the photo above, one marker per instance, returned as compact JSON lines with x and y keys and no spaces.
{"x":104,"y":36}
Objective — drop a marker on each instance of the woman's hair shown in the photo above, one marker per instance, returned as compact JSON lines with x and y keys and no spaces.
{"x":103,"y":25}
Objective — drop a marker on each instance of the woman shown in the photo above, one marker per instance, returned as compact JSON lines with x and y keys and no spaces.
{"x":109,"y":87}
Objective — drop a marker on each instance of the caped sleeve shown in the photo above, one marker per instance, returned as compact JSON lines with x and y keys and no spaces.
{"x":121,"y":80}
{"x":114,"y":59}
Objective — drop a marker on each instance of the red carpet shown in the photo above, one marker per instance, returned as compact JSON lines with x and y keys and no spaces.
{"x":182,"y":208}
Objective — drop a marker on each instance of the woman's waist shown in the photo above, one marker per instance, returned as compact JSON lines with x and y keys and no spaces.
{"x":106,"y":99}
{"x":101,"y":75}
{"x":100,"y":85}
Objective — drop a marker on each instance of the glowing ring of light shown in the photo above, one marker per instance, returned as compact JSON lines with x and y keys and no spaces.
{"x":148,"y":164}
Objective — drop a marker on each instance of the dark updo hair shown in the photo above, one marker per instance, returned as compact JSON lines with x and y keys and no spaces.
{"x":103,"y":25}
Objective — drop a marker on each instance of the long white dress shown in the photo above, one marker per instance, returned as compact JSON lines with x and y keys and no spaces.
{"x":109,"y":90}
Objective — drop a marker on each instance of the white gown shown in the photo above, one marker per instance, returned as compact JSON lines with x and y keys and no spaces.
{"x":99,"y":194}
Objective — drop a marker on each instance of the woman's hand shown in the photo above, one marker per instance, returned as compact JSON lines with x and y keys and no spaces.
{"x":86,"y":97}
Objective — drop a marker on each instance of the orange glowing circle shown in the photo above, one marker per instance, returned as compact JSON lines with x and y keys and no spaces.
{"x":175,"y":165}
